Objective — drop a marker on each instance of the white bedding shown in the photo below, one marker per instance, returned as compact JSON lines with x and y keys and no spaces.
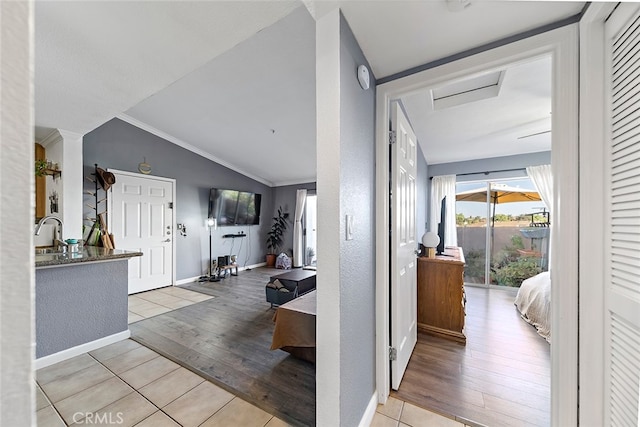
{"x":534,"y":303}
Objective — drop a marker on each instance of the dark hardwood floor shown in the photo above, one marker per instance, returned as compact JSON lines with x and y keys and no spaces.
{"x":500,"y":378}
{"x":227,"y":340}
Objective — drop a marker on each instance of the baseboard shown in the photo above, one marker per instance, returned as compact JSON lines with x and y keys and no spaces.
{"x":188,"y":280}
{"x":367,"y":417}
{"x":249,"y":267}
{"x":195,"y":278}
{"x":80,"y":349}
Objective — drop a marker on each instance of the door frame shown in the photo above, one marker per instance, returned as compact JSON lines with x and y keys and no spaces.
{"x":562,"y":45}
{"x":172,"y":181}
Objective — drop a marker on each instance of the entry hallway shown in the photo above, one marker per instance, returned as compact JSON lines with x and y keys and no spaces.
{"x":127,"y":384}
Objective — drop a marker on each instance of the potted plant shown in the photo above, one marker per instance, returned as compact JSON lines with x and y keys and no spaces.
{"x":41,"y":166}
{"x":274,"y":237}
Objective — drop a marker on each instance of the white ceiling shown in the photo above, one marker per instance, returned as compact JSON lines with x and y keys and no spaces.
{"x":252,"y":107}
{"x":219,"y":78}
{"x":494,"y":127}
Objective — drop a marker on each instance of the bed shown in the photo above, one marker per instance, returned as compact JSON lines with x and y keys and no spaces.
{"x":534,"y":303}
{"x":295,"y":329}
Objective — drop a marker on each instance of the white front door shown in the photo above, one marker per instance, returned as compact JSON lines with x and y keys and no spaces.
{"x":622,"y":243}
{"x":403,"y":245}
{"x":141,"y":219}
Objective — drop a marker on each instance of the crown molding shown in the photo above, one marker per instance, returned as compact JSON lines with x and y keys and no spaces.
{"x":294,"y":182}
{"x":177,"y":141}
{"x":58,"y":135}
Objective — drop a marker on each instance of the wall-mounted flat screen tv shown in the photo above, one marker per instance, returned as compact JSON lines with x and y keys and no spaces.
{"x":232,"y":207}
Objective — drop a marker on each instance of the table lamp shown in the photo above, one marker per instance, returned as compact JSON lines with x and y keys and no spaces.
{"x":430,"y":241}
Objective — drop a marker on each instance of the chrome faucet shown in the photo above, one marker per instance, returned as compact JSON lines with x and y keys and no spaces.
{"x":60,"y":244}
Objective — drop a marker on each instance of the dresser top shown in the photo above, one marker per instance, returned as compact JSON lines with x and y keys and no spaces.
{"x":452,"y":254}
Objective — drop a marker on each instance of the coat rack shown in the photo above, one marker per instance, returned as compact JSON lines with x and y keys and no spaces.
{"x":97,"y":233}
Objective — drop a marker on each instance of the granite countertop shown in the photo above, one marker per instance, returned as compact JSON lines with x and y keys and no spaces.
{"x":87,"y":254}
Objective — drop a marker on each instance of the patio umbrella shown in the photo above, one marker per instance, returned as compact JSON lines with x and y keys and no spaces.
{"x":499,"y":194}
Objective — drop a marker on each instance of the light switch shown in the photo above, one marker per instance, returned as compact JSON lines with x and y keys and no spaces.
{"x":349,"y":227}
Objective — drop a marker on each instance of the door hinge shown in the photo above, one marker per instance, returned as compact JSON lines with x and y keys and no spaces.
{"x":170,"y":205}
{"x":393,"y":354}
{"x":392,"y":137}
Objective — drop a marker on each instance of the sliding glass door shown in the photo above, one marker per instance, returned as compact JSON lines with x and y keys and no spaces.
{"x":471,"y":225}
{"x":310,"y":232}
{"x":503,"y":229}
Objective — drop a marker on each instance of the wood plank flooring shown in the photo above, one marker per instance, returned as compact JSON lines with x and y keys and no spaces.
{"x":227,"y":340}
{"x":500,"y":378}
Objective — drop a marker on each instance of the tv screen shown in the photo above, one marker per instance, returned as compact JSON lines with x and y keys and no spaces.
{"x":442,"y":225}
{"x":232,"y":207}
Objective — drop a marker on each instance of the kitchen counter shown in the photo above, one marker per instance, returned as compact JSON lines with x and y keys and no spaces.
{"x":81,"y":302}
{"x":87,"y":254}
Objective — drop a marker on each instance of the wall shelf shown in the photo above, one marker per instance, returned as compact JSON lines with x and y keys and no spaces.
{"x":56,"y":173}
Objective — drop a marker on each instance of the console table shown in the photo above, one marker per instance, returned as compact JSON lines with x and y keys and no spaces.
{"x":441,"y":296}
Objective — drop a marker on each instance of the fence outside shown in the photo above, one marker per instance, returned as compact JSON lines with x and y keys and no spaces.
{"x":514,"y":256}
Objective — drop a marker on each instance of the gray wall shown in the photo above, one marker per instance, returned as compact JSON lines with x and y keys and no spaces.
{"x":491,"y":164}
{"x":79,"y":304}
{"x":285,"y":196}
{"x":487,"y":165}
{"x":119,"y":145}
{"x":357,"y":256}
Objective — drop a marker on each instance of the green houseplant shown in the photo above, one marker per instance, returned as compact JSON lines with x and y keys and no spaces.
{"x":274,"y":236}
{"x":41,"y":166}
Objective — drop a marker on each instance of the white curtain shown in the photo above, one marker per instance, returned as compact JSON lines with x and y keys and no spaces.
{"x":298,"y":244}
{"x":543,"y":180}
{"x":441,"y":186}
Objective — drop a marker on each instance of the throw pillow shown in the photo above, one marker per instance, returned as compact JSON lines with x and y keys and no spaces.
{"x":271,"y":285}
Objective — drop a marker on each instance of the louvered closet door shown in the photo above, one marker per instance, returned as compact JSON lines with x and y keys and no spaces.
{"x":622,"y":272}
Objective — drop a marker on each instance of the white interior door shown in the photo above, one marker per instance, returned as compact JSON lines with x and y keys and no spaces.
{"x":141,"y":218}
{"x":403,"y":245}
{"x":622,"y":236}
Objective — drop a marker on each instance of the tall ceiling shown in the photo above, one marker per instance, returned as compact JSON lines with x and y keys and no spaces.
{"x":235,"y":80}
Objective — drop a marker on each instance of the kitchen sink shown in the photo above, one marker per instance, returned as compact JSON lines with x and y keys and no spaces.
{"x":49,"y":250}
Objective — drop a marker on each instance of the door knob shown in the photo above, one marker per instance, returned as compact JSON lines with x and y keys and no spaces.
{"x":166,"y":241}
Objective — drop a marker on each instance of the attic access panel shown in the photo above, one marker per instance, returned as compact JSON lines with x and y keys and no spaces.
{"x":469,"y":90}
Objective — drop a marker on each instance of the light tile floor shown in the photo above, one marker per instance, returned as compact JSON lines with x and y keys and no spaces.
{"x":127,"y":384}
{"x":396,"y":413}
{"x":158,"y":301}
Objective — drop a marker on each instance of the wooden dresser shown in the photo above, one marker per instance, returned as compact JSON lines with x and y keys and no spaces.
{"x":441,"y":296}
